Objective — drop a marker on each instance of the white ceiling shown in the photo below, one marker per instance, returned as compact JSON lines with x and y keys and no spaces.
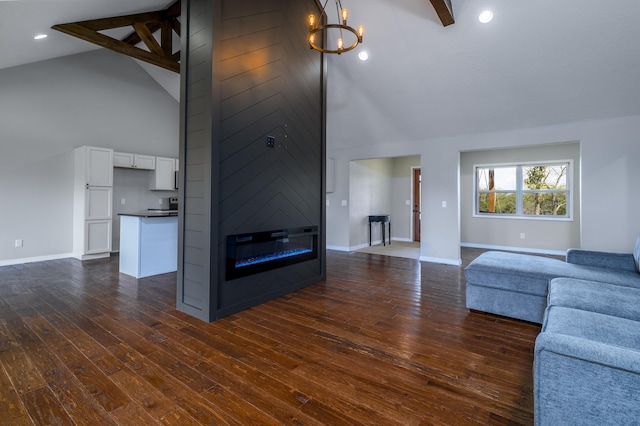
{"x":537,"y":63}
{"x":21,"y":20}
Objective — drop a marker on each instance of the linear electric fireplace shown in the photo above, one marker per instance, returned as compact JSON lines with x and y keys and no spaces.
{"x":249,"y":254}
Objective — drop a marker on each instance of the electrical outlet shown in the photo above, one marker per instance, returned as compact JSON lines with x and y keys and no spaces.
{"x":522,"y":235}
{"x":444,"y":204}
{"x":407,"y":202}
{"x":18,"y":243}
{"x":122,"y":201}
{"x":343,"y":203}
{"x":271,"y":141}
{"x":160,"y":201}
{"x":328,"y":203}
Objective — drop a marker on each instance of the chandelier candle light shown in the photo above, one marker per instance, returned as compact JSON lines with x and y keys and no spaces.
{"x":315,"y":29}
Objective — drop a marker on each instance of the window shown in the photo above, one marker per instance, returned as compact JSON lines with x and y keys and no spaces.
{"x":538,"y":190}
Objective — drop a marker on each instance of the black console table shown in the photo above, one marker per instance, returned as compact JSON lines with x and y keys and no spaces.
{"x":382,"y":218}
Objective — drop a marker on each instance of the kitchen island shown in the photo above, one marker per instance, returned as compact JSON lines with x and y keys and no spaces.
{"x":148,"y":243}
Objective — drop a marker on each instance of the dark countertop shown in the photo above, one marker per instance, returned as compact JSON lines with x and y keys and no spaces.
{"x":152,"y":213}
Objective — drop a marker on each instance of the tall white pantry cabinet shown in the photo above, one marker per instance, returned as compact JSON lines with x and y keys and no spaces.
{"x":92,"y":210}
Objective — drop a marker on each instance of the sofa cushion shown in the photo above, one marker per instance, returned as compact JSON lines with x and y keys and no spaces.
{"x":608,"y":299}
{"x":512,"y":271}
{"x":531,"y":274}
{"x":592,"y":326}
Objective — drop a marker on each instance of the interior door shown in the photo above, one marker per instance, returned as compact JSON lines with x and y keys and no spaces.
{"x":417,"y":189}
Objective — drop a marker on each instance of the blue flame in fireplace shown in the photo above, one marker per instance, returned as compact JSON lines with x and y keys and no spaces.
{"x":270,"y":257}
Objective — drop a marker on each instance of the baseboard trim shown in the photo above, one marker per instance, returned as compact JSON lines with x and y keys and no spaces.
{"x":338,"y":248}
{"x":404,"y":240}
{"x":453,"y":262}
{"x":518,"y":249}
{"x":361,"y":246}
{"x":35,"y":259}
{"x":92,"y":256}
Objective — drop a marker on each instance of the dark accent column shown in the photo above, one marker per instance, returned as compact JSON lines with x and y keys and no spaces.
{"x":252,"y":146}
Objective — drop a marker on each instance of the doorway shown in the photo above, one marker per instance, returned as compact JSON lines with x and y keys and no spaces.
{"x":383,"y":186}
{"x":415,"y":202}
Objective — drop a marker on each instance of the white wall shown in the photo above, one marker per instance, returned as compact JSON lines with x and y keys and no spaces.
{"x":377,"y":186}
{"x":609,"y":177}
{"x":401,"y":187}
{"x":496,"y":232}
{"x":96,"y":98}
{"x":370,"y":194}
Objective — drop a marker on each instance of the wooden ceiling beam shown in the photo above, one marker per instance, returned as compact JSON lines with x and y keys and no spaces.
{"x":144,"y":25}
{"x":134,"y":37}
{"x":443,"y":9}
{"x":147,"y":38}
{"x":174,"y":10}
{"x":175,"y":24}
{"x":121,"y":21}
{"x":166,"y":37}
{"x":118,"y":46}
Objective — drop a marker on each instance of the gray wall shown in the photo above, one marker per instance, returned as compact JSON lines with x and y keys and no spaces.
{"x":497,"y":232}
{"x":401,"y":191}
{"x":378,"y":186}
{"x":370,"y":193}
{"x":608,"y":161}
{"x":97,"y":98}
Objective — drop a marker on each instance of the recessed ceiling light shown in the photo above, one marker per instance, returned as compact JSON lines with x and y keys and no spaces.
{"x":485,"y":16}
{"x":40,"y":36}
{"x":363,"y":56}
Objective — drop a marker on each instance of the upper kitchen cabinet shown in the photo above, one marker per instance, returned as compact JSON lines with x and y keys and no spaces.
{"x":163,"y":178}
{"x":94,"y":165}
{"x":134,"y":161}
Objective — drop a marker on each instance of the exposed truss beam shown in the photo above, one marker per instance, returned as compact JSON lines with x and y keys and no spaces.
{"x":144,"y":26}
{"x":443,"y":9}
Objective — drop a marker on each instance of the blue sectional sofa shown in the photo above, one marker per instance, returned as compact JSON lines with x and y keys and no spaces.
{"x":587,"y":355}
{"x":516,"y":285}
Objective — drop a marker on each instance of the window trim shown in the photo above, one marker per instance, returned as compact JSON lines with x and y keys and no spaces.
{"x":519,"y":191}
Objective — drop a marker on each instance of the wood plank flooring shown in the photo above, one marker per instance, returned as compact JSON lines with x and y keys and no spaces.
{"x":384,"y":341}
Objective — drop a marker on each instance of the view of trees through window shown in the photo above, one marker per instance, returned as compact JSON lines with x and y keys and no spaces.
{"x":523,"y":190}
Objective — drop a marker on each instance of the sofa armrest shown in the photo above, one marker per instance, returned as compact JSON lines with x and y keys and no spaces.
{"x":603,"y":354}
{"x":581,"y":381}
{"x":601,"y":259}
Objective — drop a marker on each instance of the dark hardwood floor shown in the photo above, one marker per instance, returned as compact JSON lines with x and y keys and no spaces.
{"x":384,"y":340}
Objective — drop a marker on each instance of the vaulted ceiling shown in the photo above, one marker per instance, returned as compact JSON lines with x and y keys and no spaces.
{"x":537,"y":63}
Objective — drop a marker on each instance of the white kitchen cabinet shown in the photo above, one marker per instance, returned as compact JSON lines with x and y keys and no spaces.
{"x":163,"y":178}
{"x":97,"y":238}
{"x":95,"y":165}
{"x":93,"y":198}
{"x":98,"y":202}
{"x":134,"y":161}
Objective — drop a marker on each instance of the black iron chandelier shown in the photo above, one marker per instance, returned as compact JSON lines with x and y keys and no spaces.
{"x":320,"y":32}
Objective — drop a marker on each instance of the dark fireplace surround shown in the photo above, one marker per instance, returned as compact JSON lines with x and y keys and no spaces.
{"x":258,"y":252}
{"x":252,"y":156}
